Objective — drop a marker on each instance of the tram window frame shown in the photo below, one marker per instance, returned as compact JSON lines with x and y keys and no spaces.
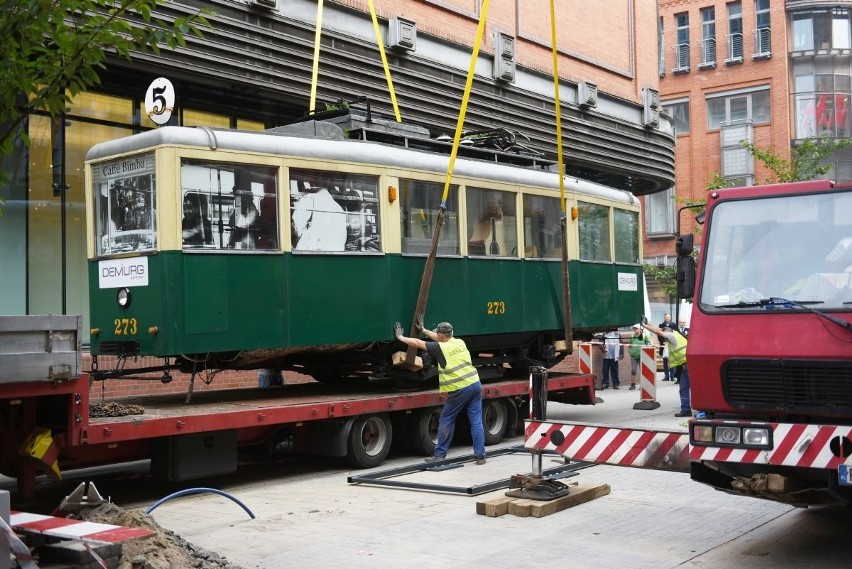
{"x":594,"y":236}
{"x":125,"y":205}
{"x":542,"y":227}
{"x":253,"y":188}
{"x":491,"y":223}
{"x":418,"y":212}
{"x":626,"y":227}
{"x":354,"y":197}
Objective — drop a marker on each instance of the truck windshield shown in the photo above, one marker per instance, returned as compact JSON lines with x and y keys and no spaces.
{"x":797,"y":247}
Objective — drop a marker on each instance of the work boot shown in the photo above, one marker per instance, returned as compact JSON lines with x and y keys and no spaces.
{"x":433,"y":458}
{"x":480,"y":460}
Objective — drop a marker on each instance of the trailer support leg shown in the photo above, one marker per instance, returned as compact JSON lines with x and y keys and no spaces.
{"x":535,"y":486}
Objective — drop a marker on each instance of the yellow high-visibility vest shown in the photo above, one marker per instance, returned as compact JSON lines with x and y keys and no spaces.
{"x":677,"y":353}
{"x":459,"y":372}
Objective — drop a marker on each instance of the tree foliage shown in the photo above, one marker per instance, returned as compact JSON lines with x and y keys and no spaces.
{"x":808,"y":160}
{"x":55,"y":49}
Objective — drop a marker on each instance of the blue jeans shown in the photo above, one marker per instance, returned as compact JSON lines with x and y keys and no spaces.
{"x":685,"y":403}
{"x":470,"y":399}
{"x":610,"y":369}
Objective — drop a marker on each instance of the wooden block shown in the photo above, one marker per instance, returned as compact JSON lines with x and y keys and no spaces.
{"x":579,"y":495}
{"x":521,"y":507}
{"x":398,"y":359}
{"x":494,"y":508}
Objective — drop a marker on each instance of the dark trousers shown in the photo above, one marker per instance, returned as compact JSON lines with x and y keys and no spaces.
{"x":610,"y":370}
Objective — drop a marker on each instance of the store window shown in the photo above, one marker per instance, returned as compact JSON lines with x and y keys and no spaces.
{"x":491,"y":223}
{"x":334,"y":212}
{"x":751,"y":106}
{"x":542,"y":228}
{"x":593,"y":231}
{"x":419,"y":203}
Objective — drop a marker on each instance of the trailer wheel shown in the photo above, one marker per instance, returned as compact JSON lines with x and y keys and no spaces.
{"x":495,"y":420}
{"x":423,"y":431}
{"x":369,"y":441}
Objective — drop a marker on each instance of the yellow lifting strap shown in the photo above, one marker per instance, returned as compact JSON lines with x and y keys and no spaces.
{"x":426,"y":280}
{"x":315,"y":71}
{"x":567,"y":321}
{"x":381,"y":45}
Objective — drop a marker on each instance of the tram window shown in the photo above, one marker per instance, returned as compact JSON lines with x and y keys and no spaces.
{"x":491,"y":217}
{"x":419,"y":206}
{"x":626,"y":236}
{"x":229,"y":206}
{"x":542,"y":228}
{"x":594,"y":232}
{"x":334,"y":211}
{"x":125,"y":205}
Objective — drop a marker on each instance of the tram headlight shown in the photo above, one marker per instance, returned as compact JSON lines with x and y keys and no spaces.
{"x":123,"y":297}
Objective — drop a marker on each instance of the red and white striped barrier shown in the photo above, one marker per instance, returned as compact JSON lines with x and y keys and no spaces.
{"x":585,"y":358}
{"x":807,"y":446}
{"x":661,"y":450}
{"x":65,"y":528}
{"x":647,"y":380}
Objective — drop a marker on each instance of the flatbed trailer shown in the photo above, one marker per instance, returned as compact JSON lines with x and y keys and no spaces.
{"x":48,"y":425}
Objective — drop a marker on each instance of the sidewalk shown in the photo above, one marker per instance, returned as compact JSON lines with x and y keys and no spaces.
{"x":317,"y":519}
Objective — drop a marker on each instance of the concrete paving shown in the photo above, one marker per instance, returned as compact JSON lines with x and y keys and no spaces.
{"x":651,"y":519}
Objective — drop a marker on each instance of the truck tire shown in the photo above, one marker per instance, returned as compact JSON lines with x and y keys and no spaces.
{"x":423,"y":431}
{"x":369,"y":441}
{"x":495,"y":420}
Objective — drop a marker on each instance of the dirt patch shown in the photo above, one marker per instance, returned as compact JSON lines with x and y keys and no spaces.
{"x":163,"y":550}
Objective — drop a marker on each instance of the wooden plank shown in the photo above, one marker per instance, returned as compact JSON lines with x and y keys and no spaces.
{"x":525,"y":508}
{"x":579,"y":495}
{"x":494,"y":508}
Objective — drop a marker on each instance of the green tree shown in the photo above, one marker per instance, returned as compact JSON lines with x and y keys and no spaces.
{"x":808,"y":160}
{"x":54,"y":50}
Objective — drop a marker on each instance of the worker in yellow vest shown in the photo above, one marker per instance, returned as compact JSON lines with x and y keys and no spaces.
{"x":459,"y":380}
{"x":677,"y":362}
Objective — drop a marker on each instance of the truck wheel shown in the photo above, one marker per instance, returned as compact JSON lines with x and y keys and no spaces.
{"x":495,"y":420}
{"x":369,"y":441}
{"x":423,"y":431}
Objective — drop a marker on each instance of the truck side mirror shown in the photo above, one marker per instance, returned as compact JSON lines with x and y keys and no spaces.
{"x":685,"y":276}
{"x":683,"y":245}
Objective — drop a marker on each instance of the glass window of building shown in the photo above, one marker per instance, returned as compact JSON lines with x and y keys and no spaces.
{"x":761,"y":13}
{"x":593,"y":231}
{"x":419,"y":202}
{"x":679,"y":111}
{"x":753,"y":106}
{"x":735,"y":31}
{"x":708,"y":36}
{"x":659,"y":213}
{"x":491,"y":223}
{"x":661,"y":43}
{"x":682,"y":40}
{"x":542,"y":227}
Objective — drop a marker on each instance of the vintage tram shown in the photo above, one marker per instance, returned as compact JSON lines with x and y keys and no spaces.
{"x":296,"y":248}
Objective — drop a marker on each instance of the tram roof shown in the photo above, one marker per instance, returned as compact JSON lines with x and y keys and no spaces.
{"x":347,"y":150}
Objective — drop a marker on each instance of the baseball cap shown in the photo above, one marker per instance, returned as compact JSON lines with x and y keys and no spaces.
{"x":444,"y":328}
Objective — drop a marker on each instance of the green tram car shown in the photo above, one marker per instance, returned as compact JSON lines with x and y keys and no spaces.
{"x":297,"y":248}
